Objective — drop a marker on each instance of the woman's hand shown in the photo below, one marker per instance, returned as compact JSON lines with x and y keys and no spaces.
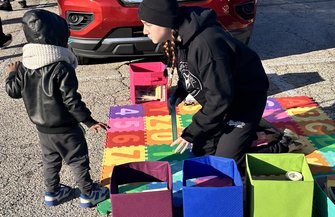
{"x":183,"y":144}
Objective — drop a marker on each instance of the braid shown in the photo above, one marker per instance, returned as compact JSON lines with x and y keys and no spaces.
{"x":169,"y":48}
{"x":173,"y":49}
{"x":166,"y":48}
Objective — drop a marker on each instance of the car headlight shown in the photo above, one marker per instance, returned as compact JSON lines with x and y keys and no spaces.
{"x":78,"y":20}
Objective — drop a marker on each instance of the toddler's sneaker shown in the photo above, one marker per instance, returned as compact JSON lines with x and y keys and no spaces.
{"x":53,"y":199}
{"x":97,"y":195}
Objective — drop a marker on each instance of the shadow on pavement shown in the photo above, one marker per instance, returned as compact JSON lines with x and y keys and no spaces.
{"x":37,"y":6}
{"x":293,"y":81}
{"x":11,"y":21}
{"x":10,"y":56}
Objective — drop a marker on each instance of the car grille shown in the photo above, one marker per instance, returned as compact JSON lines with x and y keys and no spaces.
{"x":127,"y":32}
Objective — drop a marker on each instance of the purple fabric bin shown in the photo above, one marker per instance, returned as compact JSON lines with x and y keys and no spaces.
{"x":141,"y":204}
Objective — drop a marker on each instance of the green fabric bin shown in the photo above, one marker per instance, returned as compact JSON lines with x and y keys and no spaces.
{"x":280,"y":198}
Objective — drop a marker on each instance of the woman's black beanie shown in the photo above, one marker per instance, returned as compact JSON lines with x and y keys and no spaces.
{"x":163,"y":13}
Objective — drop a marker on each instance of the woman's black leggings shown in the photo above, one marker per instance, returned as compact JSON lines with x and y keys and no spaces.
{"x":236,"y":135}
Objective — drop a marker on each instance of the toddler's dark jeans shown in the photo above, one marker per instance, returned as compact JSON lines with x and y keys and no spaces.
{"x":70,"y":147}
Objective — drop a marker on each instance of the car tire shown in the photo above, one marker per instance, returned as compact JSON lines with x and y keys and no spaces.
{"x":83,"y":60}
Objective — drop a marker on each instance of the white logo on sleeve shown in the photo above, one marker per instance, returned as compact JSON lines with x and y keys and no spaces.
{"x":237,"y":124}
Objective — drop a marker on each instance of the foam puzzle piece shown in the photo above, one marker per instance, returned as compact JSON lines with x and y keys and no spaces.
{"x":185,"y":109}
{"x":317,"y":127}
{"x":272,"y":103}
{"x":166,"y":153}
{"x":126,"y":111}
{"x":104,"y":207}
{"x":309,"y":146}
{"x":106,"y":173}
{"x":330,"y":157}
{"x":157,"y":109}
{"x":307,"y":114}
{"x":120,"y":139}
{"x":160,"y":123}
{"x":295,"y":102}
{"x":318,"y":164}
{"x":126,"y":124}
{"x":277,"y":115}
{"x":290,"y":125}
{"x":154,"y":137}
{"x":186,"y":119}
{"x":324,"y":143}
{"x":316,"y":158}
{"x":125,"y":154}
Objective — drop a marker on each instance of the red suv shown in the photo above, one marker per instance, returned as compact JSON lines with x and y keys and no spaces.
{"x":111,"y":28}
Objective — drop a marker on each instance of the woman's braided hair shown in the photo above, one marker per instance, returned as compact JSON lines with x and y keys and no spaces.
{"x":170,"y":51}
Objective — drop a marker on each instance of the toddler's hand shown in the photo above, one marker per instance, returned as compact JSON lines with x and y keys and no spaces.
{"x":11,"y":67}
{"x":98,"y":126}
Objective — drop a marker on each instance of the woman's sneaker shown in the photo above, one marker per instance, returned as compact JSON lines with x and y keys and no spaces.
{"x":290,"y":134}
{"x":97,"y":195}
{"x":53,"y":199}
{"x":295,"y":146}
{"x":292,"y":139}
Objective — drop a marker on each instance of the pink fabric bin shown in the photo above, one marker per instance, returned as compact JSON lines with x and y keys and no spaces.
{"x":141,"y":204}
{"x":147,"y":74}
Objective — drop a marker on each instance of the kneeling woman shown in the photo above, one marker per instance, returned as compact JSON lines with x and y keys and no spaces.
{"x":225,"y":76}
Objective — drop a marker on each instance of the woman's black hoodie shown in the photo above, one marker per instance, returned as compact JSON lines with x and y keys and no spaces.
{"x":221,"y":73}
